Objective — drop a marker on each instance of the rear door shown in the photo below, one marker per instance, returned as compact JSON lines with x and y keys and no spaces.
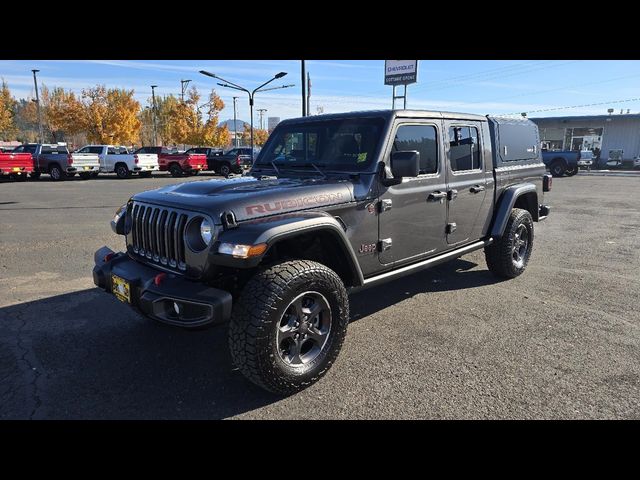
{"x":466,"y":182}
{"x":413,"y":213}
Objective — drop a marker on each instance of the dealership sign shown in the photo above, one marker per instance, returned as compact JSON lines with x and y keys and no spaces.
{"x":400,"y":72}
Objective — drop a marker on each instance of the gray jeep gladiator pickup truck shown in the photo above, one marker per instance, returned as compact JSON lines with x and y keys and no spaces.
{"x":332,"y":204}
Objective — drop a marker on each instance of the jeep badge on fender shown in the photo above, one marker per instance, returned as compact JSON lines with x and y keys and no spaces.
{"x":333,"y":203}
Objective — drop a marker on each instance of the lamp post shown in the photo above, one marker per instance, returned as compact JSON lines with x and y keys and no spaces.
{"x":35,"y":82}
{"x":251,"y":94}
{"x":235,"y":124}
{"x":155,"y":132}
{"x":183,"y":88}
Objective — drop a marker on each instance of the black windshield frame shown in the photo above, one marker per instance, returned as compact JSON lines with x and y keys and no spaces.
{"x":349,"y":144}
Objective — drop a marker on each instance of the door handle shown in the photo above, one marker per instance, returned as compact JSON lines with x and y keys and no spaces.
{"x":477,"y":189}
{"x":436,"y":196}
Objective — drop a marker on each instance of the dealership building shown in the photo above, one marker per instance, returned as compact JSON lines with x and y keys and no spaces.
{"x":609,"y":133}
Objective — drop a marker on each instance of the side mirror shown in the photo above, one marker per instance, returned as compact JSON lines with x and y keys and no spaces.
{"x":405,"y":164}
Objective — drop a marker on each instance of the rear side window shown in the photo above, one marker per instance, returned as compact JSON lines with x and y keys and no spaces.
{"x":421,"y":138}
{"x":111,"y":151}
{"x":464,"y":150}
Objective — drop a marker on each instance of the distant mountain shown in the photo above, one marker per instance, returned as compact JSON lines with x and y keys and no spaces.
{"x":229,"y":123}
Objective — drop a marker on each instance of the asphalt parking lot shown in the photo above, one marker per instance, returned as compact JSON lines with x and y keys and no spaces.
{"x":561,"y":341}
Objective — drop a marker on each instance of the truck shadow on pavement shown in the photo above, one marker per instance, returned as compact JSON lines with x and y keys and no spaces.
{"x":83,"y":355}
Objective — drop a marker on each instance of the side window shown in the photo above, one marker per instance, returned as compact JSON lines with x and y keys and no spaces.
{"x":111,"y":151}
{"x":464,"y":149}
{"x":423,"y":139}
{"x":19,"y":149}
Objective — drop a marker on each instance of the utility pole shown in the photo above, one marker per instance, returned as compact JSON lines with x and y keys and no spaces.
{"x":308,"y":94}
{"x":183,"y":86}
{"x":235,"y":123}
{"x":155,"y":131}
{"x":304,"y":93}
{"x":261,"y":112}
{"x":35,"y":82}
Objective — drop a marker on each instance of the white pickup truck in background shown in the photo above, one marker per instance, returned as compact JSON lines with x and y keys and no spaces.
{"x":124,"y":164}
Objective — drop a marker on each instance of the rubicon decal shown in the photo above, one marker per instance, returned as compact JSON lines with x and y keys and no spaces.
{"x":292,"y":203}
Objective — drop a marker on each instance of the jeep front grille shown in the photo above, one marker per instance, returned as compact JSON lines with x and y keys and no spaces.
{"x":157,"y":234}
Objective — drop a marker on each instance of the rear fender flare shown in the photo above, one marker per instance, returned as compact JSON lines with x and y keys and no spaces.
{"x":505,"y":205}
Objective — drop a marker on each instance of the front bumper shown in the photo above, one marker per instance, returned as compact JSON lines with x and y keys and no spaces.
{"x":197,"y":304}
{"x":585,"y":163}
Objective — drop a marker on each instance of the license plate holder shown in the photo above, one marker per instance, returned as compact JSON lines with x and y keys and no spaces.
{"x":121,"y":288}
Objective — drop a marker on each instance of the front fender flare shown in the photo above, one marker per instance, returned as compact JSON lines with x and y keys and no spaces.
{"x":505,"y":205}
{"x":271,"y":230}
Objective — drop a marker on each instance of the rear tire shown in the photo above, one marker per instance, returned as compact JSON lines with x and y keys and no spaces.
{"x":85,"y":176}
{"x":122,"y":171}
{"x":557,"y":169}
{"x":508,"y":256}
{"x":35,"y":175}
{"x":288,"y":325}
{"x":225,"y":170}
{"x":175,"y":170}
{"x":56,"y":173}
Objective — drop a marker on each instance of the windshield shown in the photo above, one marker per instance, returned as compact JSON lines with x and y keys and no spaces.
{"x":348,"y":144}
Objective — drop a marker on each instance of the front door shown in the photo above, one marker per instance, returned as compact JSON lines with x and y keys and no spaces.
{"x":466,"y":182}
{"x":413,"y":213}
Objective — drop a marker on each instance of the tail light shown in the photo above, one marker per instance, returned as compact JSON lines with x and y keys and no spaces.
{"x":238,"y":161}
{"x":70,"y":159}
{"x":135,"y":159}
{"x":546,"y":183}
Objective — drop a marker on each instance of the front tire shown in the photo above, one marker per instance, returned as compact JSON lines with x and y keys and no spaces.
{"x":508,"y":257}
{"x":288,"y":325}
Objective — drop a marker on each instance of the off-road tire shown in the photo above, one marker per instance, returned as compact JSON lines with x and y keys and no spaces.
{"x":257,"y":314}
{"x":175,"y":170}
{"x":557,"y":168}
{"x":122,"y":171}
{"x":56,"y":173}
{"x":500,"y":255}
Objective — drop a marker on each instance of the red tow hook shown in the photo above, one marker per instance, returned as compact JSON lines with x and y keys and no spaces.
{"x":109,"y":256}
{"x":157,"y":280}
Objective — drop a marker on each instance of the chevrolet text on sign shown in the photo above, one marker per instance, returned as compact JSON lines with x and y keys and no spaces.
{"x":400,"y":72}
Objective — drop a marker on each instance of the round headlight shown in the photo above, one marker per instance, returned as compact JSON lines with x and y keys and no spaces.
{"x":206,"y":231}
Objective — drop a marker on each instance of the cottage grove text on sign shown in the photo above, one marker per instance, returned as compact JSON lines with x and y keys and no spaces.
{"x":400,"y":72}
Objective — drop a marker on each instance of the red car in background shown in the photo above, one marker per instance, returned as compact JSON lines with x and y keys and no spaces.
{"x":177,"y":164}
{"x":16,"y":165}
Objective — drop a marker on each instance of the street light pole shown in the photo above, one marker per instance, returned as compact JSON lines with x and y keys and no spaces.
{"x":261,"y":113}
{"x":251,"y":94}
{"x":304,"y":93}
{"x":35,"y":82}
{"x":155,"y":131}
{"x":235,"y":123}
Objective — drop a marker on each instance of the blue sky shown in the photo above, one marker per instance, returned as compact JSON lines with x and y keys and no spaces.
{"x":474,"y":86}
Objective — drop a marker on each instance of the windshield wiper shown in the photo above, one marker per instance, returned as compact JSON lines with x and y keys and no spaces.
{"x":324,"y":175}
{"x":273,"y":164}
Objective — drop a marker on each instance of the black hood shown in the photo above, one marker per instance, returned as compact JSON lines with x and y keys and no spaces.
{"x":249,"y":197}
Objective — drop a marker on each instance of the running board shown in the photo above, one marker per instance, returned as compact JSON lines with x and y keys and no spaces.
{"x":430,"y":262}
